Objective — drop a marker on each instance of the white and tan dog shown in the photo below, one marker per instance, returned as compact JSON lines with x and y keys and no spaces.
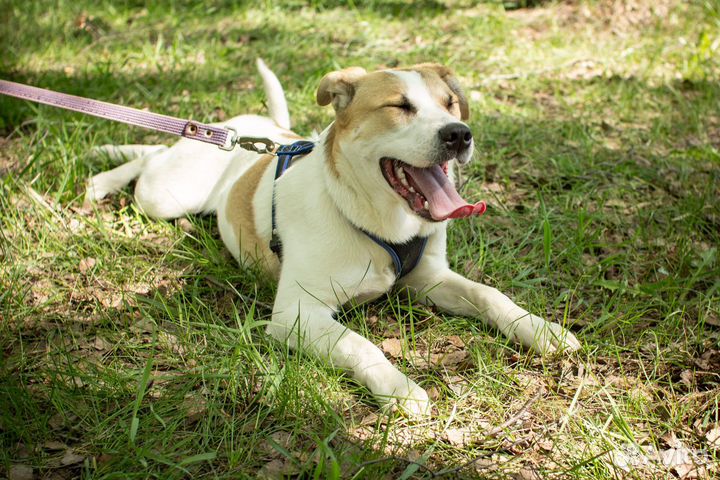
{"x":381,"y":167}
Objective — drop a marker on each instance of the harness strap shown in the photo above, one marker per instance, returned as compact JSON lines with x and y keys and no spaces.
{"x":285,"y":154}
{"x":405,"y":256}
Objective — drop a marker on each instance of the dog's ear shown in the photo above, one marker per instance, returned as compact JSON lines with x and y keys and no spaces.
{"x":338,"y":87}
{"x":448,"y":77}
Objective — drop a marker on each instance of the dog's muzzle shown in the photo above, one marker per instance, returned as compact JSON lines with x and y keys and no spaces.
{"x":456,"y":140}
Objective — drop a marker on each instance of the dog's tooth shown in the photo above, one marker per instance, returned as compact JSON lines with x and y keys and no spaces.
{"x":426,"y":205}
{"x":411,"y":189}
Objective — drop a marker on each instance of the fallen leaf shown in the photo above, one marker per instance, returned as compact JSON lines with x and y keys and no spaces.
{"x":527,"y":473}
{"x":455,"y":341}
{"x":100,"y":344}
{"x":713,"y":437}
{"x":392,"y":347}
{"x":369,"y":419}
{"x":54,"y":445}
{"x":20,"y":472}
{"x":86,"y":264}
{"x":276,"y":469}
{"x":195,"y":406}
{"x":546,"y":444}
{"x":453,"y":358}
{"x":671,"y":440}
{"x":434,"y":393}
{"x":687,"y":377}
{"x":185,"y":225}
{"x":458,"y":385}
{"x":71,"y":458}
{"x":458,"y":437}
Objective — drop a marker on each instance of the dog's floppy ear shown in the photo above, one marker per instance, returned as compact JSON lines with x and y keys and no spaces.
{"x":448,"y":77}
{"x":338,"y":87}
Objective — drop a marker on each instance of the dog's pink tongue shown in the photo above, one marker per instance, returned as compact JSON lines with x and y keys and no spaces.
{"x":444,"y":201}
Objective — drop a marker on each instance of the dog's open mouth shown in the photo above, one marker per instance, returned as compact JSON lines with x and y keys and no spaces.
{"x":428,"y":191}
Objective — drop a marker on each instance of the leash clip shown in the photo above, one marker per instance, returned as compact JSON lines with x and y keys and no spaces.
{"x":254,"y":144}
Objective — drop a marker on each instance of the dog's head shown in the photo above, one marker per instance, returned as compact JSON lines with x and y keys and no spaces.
{"x":395,"y":134}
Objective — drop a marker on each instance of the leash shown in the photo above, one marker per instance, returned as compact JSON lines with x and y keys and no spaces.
{"x":404,"y":256}
{"x":225,"y":138}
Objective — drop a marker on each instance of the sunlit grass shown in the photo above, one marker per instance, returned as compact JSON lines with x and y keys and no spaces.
{"x":135,"y":348}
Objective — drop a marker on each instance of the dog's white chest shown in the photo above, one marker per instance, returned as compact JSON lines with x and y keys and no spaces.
{"x":373,"y":284}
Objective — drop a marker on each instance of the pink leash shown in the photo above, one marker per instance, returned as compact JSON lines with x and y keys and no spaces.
{"x":223,"y":137}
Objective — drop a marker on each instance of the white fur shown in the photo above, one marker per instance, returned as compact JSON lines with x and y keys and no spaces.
{"x":327,"y":261}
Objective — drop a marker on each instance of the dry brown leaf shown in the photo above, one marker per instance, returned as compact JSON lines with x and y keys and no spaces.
{"x":392,"y":346}
{"x":276,"y":469}
{"x":369,"y":419}
{"x":54,"y":445}
{"x":527,"y":473}
{"x":687,"y":377}
{"x":20,"y":472}
{"x":671,"y":440}
{"x":458,"y":385}
{"x":453,"y":358}
{"x":185,"y":225}
{"x":434,"y":393}
{"x":284,"y":439}
{"x":86,"y":264}
{"x":713,"y":437}
{"x":458,"y":437}
{"x":71,"y":458}
{"x":546,"y":444}
{"x":195,"y":406}
{"x":455,"y":341}
{"x":100,"y":344}
{"x":170,"y":341}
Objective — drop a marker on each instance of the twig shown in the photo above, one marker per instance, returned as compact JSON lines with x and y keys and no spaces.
{"x":489,"y":433}
{"x":494,"y":431}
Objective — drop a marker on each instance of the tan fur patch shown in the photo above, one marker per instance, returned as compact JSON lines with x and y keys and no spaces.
{"x":330,"y":157}
{"x":372,"y":92}
{"x":241,"y":214}
{"x":439,"y":90}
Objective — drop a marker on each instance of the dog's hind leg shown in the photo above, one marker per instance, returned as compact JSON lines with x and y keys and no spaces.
{"x":125,"y":153}
{"x":103,"y":184}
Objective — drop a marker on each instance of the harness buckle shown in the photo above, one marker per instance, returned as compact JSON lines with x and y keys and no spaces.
{"x":257,"y":144}
{"x":254,"y":144}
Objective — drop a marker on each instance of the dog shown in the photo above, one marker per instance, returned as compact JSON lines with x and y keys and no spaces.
{"x":378,"y":179}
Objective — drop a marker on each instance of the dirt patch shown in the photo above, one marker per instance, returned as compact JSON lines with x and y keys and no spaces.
{"x":619,"y":17}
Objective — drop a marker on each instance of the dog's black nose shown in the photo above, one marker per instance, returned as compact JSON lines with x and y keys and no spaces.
{"x":455,"y":137}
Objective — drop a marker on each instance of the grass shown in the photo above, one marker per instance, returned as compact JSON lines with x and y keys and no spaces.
{"x":134,"y":348}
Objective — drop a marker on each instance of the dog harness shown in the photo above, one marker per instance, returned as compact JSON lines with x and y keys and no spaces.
{"x":405,"y":256}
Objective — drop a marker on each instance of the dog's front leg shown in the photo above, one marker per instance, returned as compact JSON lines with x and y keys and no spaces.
{"x":305,"y":321}
{"x":454,"y":293}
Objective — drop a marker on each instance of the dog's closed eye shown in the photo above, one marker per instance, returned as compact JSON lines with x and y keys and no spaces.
{"x":404,"y":105}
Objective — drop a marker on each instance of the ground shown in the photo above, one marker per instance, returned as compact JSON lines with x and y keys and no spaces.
{"x":134,"y":348}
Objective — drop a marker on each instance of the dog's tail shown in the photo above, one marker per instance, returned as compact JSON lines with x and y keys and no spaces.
{"x":275,"y":96}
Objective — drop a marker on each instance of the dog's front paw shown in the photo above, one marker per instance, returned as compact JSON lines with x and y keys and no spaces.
{"x":392,"y":388}
{"x":544,"y":337}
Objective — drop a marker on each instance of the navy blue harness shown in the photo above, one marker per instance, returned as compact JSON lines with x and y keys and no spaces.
{"x":405,"y":256}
